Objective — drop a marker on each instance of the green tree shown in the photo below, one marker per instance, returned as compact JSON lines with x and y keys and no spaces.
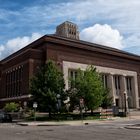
{"x":46,"y":85}
{"x":11,"y":107}
{"x":107,"y":99}
{"x":88,"y":86}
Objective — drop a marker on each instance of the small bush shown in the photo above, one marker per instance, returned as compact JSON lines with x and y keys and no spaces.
{"x":11,"y":107}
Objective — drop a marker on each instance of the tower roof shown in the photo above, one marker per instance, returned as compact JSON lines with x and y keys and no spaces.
{"x":68,"y":29}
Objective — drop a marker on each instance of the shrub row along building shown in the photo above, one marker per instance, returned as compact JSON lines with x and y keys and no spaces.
{"x":120,"y":70}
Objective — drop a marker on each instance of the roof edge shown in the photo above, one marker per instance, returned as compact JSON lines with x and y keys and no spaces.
{"x":51,"y":37}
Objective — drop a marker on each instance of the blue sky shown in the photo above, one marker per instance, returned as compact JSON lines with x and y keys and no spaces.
{"x":114,"y":23}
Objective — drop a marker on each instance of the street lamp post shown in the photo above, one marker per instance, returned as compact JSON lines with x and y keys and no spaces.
{"x":81,"y":108}
{"x":58,"y":102}
{"x":58,"y":105}
{"x":125,"y":107}
{"x":35,"y":106}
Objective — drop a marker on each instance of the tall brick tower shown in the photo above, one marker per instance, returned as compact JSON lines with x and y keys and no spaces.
{"x":68,"y":29}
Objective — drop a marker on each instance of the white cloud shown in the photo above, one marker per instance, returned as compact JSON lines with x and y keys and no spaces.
{"x":103,"y":34}
{"x":1,"y":50}
{"x":123,"y":15}
{"x":15,"y":44}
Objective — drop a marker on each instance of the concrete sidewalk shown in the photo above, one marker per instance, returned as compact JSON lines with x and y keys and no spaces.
{"x":131,"y":116}
{"x":75,"y":122}
{"x":57,"y":123}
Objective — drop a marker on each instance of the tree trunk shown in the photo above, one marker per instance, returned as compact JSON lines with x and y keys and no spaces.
{"x":50,"y":115}
{"x":91,"y":111}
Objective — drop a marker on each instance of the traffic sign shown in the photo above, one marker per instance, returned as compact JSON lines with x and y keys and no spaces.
{"x":35,"y":105}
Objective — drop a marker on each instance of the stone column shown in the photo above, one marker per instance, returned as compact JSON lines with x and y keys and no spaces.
{"x":123,"y":91}
{"x":135,"y":92}
{"x":66,"y":75}
{"x":111,"y":87}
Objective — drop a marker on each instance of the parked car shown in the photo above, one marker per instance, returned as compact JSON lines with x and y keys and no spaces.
{"x":5,"y":117}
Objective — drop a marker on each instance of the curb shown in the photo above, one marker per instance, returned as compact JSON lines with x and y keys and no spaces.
{"x":136,"y":127}
{"x":51,"y":124}
{"x":40,"y":124}
{"x":131,"y":127}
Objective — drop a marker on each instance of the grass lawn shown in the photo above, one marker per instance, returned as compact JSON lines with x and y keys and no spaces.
{"x":67,"y":116}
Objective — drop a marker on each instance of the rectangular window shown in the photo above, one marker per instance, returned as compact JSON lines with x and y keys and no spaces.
{"x":129,"y":85}
{"x":72,"y":76}
{"x":104,"y":80}
{"x":117,"y":84}
{"x":13,"y":80}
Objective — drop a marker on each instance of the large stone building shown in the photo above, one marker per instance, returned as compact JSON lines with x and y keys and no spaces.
{"x":120,"y":70}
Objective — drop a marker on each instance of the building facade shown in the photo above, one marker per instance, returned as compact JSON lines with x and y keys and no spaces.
{"x":120,"y":70}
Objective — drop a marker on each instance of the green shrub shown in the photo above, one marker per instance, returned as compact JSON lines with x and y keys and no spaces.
{"x":11,"y":107}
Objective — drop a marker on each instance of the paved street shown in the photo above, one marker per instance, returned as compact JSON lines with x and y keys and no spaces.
{"x":111,"y":130}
